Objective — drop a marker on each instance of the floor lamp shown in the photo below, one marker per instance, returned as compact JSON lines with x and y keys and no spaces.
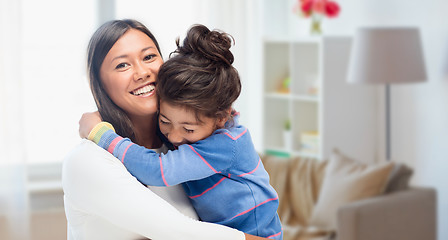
{"x":387,"y":56}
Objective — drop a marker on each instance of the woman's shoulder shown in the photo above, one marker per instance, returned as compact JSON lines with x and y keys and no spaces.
{"x":84,"y":156}
{"x":83,"y":151}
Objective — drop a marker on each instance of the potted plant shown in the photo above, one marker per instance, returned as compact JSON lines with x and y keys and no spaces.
{"x":287,"y":135}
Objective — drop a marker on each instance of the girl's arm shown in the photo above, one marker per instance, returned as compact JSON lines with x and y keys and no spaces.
{"x":98,"y":184}
{"x":190,"y":162}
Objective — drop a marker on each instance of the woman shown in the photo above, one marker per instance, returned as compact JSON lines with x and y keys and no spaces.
{"x":102,"y":200}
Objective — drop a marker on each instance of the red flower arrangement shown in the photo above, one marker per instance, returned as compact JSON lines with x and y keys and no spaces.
{"x":317,"y":9}
{"x":324,"y":7}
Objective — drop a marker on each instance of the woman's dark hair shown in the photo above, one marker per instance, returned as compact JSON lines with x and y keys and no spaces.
{"x":200,"y":75}
{"x":101,"y":42}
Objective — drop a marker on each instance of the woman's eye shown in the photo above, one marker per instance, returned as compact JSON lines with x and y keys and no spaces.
{"x":121,"y":65}
{"x":149,"y":57}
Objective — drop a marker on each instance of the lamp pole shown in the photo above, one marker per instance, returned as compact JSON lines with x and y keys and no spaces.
{"x":388,"y":140}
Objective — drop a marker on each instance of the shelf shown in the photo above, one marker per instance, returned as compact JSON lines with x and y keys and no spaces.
{"x":306,"y":98}
{"x":281,"y":152}
{"x":287,"y":96}
{"x":304,"y":68}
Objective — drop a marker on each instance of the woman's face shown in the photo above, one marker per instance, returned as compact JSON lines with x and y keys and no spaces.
{"x":129,"y":73}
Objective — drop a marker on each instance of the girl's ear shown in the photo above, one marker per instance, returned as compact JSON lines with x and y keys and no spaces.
{"x":221,"y":122}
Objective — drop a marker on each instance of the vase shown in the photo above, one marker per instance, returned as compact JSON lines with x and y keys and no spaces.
{"x":316,"y":28}
{"x":287,"y":140}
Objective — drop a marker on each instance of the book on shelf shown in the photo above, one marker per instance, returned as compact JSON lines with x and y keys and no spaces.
{"x":309,"y":142}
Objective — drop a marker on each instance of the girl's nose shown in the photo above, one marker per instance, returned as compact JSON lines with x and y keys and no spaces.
{"x":175,"y":138}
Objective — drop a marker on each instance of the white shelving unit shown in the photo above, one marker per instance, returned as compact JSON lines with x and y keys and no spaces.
{"x":318,"y":102}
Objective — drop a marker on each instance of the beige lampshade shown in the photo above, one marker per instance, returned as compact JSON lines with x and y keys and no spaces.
{"x":386,"y":56}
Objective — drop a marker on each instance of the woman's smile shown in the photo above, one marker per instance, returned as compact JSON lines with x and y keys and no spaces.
{"x":145,"y":91}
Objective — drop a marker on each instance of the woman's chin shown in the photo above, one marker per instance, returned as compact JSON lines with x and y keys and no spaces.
{"x":143,"y":110}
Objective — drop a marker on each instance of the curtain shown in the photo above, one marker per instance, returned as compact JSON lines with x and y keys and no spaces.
{"x":13,"y":195}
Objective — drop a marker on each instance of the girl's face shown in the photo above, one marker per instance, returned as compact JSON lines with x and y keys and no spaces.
{"x":129,"y":73}
{"x":180,"y":125}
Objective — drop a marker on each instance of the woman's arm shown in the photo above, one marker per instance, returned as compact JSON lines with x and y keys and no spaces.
{"x":98,"y":184}
{"x":252,"y":237}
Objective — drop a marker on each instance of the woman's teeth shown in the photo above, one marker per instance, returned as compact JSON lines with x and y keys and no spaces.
{"x":143,"y":90}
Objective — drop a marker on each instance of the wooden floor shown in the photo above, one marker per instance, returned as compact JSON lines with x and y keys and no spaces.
{"x":46,"y":220}
{"x":48,"y":225}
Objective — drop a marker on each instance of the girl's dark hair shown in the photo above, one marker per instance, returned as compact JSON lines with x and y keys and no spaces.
{"x":200,"y":75}
{"x":101,"y":42}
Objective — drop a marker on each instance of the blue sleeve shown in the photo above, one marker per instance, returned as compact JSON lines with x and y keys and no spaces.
{"x":190,"y":162}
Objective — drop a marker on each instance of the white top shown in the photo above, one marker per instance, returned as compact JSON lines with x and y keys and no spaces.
{"x":104,"y":201}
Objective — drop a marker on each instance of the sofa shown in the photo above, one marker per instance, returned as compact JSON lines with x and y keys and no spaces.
{"x":345,"y":199}
{"x":408,"y":214}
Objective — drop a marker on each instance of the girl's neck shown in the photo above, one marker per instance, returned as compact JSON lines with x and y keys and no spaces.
{"x":146,"y":131}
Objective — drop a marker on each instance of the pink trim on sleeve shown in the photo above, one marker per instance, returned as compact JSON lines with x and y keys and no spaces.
{"x":113,"y":144}
{"x":216,"y":184}
{"x":250,"y":209}
{"x":274,"y":235}
{"x":125,"y":151}
{"x":235,"y":138}
{"x":255,"y":169}
{"x":208,"y":164}
{"x":161,"y":172}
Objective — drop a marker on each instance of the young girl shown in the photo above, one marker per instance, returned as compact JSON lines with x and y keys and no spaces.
{"x":214,"y":157}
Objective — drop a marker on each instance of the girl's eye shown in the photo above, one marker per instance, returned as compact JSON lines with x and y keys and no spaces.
{"x":189,"y":130}
{"x":149,"y":57}
{"x":163,"y":122}
{"x":121,"y":65}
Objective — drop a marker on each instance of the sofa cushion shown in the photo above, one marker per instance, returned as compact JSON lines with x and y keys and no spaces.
{"x":347,"y":180}
{"x":399,"y":178}
{"x":297,"y":181}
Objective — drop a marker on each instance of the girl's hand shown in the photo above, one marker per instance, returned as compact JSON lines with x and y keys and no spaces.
{"x":88,"y":122}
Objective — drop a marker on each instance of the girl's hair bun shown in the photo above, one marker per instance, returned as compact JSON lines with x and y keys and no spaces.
{"x":203,"y":43}
{"x":200,"y":76}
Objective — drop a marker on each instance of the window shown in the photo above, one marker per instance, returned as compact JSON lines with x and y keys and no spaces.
{"x":47,"y":86}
